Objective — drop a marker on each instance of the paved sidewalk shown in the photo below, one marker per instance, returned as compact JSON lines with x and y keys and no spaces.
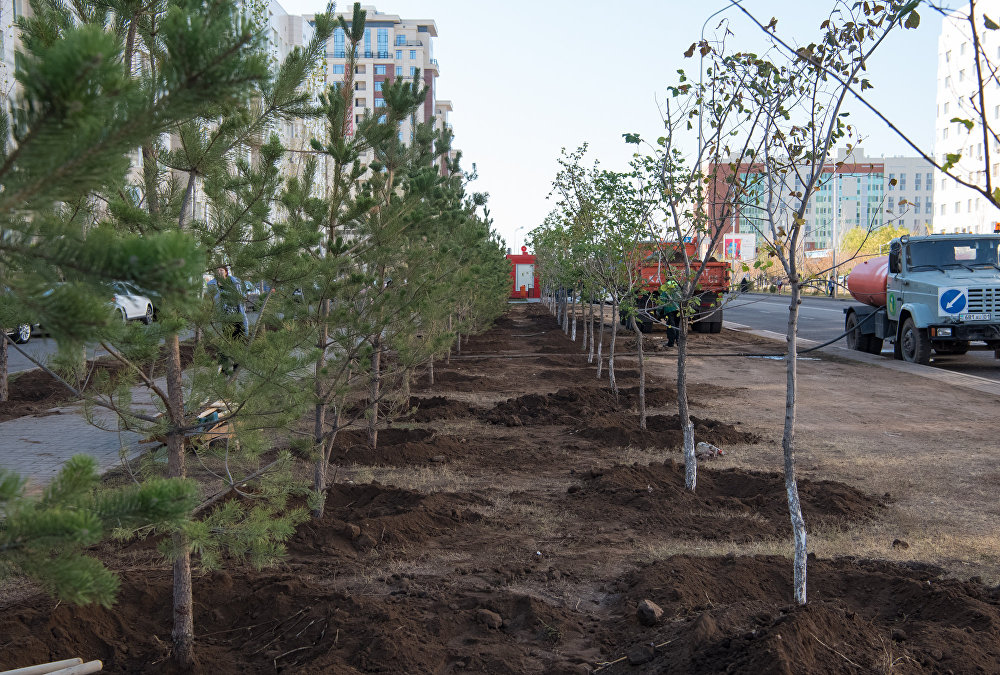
{"x":37,"y":447}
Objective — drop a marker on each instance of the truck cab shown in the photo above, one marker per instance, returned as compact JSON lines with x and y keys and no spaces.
{"x":941,"y":292}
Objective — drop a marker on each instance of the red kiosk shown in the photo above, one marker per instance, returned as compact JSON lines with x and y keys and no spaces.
{"x":524,"y":281}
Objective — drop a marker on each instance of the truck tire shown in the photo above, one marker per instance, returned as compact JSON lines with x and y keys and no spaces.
{"x":914,"y":344}
{"x":856,"y":340}
{"x":715,"y":327}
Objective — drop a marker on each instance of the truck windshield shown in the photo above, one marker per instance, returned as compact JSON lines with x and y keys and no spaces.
{"x":952,"y":252}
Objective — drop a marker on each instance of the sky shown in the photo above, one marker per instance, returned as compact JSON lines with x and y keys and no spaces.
{"x":527,"y":79}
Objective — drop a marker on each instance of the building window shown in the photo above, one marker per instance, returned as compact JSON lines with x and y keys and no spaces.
{"x":929,"y":179}
{"x":916,"y":208}
{"x":380,"y":70}
{"x":944,"y":133}
{"x":413,"y":71}
{"x":360,"y":102}
{"x":399,"y":54}
{"x":945,"y":107}
{"x":338,"y":44}
{"x":961,"y":75}
{"x":359,"y":70}
{"x":942,"y":209}
{"x":961,"y":49}
{"x":947,"y":56}
{"x":400,"y":40}
{"x":958,"y":208}
{"x":399,"y":71}
{"x":380,"y":103}
{"x":382,"y":119}
{"x":383,"y":43}
{"x":947,"y":81}
{"x":338,"y":69}
{"x":413,"y":53}
{"x":368,"y":42}
{"x":892,"y":177}
{"x":378,"y":86}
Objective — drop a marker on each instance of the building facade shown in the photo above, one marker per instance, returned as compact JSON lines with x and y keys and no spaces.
{"x":958,"y":208}
{"x":853,"y":191}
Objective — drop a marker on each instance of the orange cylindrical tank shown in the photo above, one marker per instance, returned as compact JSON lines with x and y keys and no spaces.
{"x":866,"y":282}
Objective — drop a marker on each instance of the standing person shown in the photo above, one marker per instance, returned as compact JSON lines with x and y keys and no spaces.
{"x":830,"y":285}
{"x":669,"y":293}
{"x":229,"y":302}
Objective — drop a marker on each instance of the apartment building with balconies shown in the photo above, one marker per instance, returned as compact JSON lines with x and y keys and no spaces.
{"x":958,"y":208}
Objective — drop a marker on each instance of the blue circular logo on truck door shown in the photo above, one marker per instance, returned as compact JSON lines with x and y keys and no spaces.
{"x":952,"y":301}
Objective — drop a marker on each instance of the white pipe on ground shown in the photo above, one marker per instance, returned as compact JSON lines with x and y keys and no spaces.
{"x":44,"y":668}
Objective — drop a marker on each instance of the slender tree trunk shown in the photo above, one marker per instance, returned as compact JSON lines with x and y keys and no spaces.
{"x":600,"y":342}
{"x":183,"y":609}
{"x":642,"y":375}
{"x":150,"y":175}
{"x":565,"y":314}
{"x":186,"y":201}
{"x":683,"y":408}
{"x":573,"y":296}
{"x":430,"y":372}
{"x":374,"y":390}
{"x":588,"y":326}
{"x":130,"y":43}
{"x":611,"y":350}
{"x":788,"y":445}
{"x":319,"y":413}
{"x":458,"y":345}
{"x":590,"y":333}
{"x":4,"y":390}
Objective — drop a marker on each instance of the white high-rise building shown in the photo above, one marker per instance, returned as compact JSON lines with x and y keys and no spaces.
{"x":958,"y":208}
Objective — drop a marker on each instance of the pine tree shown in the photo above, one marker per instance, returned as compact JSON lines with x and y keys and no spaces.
{"x":46,"y":538}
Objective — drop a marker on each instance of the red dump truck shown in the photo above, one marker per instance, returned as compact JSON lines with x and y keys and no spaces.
{"x":657,"y":262}
{"x":939,"y":292}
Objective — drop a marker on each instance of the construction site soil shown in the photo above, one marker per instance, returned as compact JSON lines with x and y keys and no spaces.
{"x":518,"y":521}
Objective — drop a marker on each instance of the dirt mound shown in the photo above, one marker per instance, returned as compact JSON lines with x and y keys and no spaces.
{"x":397,"y":447}
{"x":662,"y":431}
{"x":862,"y":617}
{"x":572,"y":406}
{"x":364,"y":516}
{"x":438,"y":408}
{"x":729,"y":504}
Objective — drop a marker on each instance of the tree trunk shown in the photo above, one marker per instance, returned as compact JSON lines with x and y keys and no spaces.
{"x":374,"y":390}
{"x":186,"y":201}
{"x":600,"y":342}
{"x":565,"y":314}
{"x":588,"y":325}
{"x":183,"y":631}
{"x":430,"y":373}
{"x":642,"y":375}
{"x":319,"y":415}
{"x":458,"y":344}
{"x":573,"y":295}
{"x":683,"y":409}
{"x":611,"y":349}
{"x":4,"y":390}
{"x":788,"y":445}
{"x":590,"y":322}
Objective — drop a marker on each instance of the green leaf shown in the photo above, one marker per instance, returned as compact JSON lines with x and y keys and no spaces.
{"x":969,"y":124}
{"x":951,"y":160}
{"x":989,"y":23}
{"x":912,"y":20}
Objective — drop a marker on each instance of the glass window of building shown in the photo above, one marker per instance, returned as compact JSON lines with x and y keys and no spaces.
{"x":338,"y":44}
{"x":413,"y":53}
{"x":400,"y":39}
{"x":368,"y":42}
{"x":413,"y":71}
{"x":378,"y":86}
{"x":399,"y":71}
{"x":380,"y":103}
{"x":379,"y":70}
{"x":399,"y":53}
{"x":338,"y":69}
{"x":383,"y":43}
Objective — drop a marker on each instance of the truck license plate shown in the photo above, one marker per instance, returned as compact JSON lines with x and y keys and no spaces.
{"x":975,"y":317}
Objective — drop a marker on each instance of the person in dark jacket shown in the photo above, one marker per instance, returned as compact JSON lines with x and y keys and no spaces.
{"x":228,"y":296}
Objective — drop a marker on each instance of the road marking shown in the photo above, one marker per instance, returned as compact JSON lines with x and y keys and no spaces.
{"x":801,"y":307}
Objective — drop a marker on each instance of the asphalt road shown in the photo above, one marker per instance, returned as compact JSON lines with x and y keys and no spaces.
{"x":822,"y":319}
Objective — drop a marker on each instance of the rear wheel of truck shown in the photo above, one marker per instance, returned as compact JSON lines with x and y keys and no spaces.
{"x":715,"y":327}
{"x":914,"y":345}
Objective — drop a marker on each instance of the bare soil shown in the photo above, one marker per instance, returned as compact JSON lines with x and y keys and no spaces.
{"x":517,"y":519}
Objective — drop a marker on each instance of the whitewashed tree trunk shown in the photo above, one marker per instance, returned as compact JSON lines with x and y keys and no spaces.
{"x":611,"y":349}
{"x":574,"y":301}
{"x":590,"y":332}
{"x":565,"y":313}
{"x":788,"y":445}
{"x":600,"y":342}
{"x":683,"y":408}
